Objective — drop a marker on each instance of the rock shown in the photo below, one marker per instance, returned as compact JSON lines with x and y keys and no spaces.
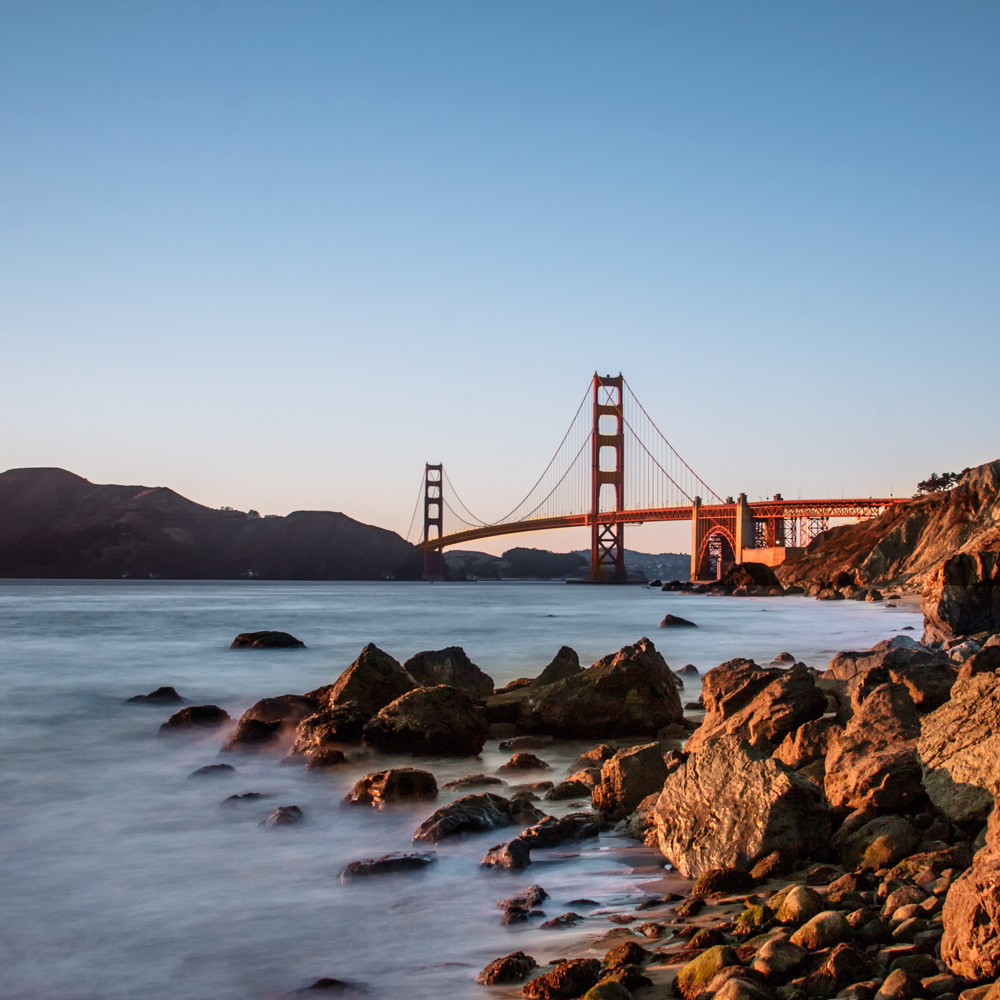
{"x":433,"y":721}
{"x":284,"y":816}
{"x":321,"y":760}
{"x":330,"y":985}
{"x":196,"y":715}
{"x":799,"y":906}
{"x":971,"y":945}
{"x":674,"y":621}
{"x":689,"y":670}
{"x":811,"y":741}
{"x":557,"y":923}
{"x":474,"y":780}
{"x":569,"y":979}
{"x":587,"y":776}
{"x":608,"y":989}
{"x":822,"y":931}
{"x":372,"y":681}
{"x":727,"y":806}
{"x":880,"y":843}
{"x":342,"y":724}
{"x":778,"y":958}
{"x":266,"y":640}
{"x":469,"y":814}
{"x":524,"y":762}
{"x":509,"y":969}
{"x":526,"y":743}
{"x":694,"y":976}
{"x":161,"y":696}
{"x":568,"y":790}
{"x":398,"y":861}
{"x":630,"y":693}
{"x":533,"y":896}
{"x":986,"y":661}
{"x":551,"y":831}
{"x":514,"y":855}
{"x":450,"y":666}
{"x":232,"y":800}
{"x":959,"y":749}
{"x":564,"y":664}
{"x":214,"y":771}
{"x":397,"y":784}
{"x":722,"y":881}
{"x":962,"y":597}
{"x":873,"y":761}
{"x":627,"y":778}
{"x":265,"y":722}
{"x":758,"y":705}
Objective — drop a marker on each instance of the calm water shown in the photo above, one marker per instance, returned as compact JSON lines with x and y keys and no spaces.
{"x":121,"y":878}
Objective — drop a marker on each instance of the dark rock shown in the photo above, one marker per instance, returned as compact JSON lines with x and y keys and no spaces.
{"x":963,"y":596}
{"x":469,"y":814}
{"x":398,"y":861}
{"x":474,"y":780}
{"x":196,"y":715}
{"x":509,"y":969}
{"x":691,"y":907}
{"x":329,"y":985}
{"x":433,"y":721}
{"x":531,"y":897}
{"x":568,"y":790}
{"x":551,"y":832}
{"x":449,"y":666}
{"x":515,"y":855}
{"x":689,"y":670}
{"x":631,"y":692}
{"x":557,"y":923}
{"x":284,"y":816}
{"x":627,"y":778}
{"x":726,"y":881}
{"x":564,"y":664}
{"x":526,"y":743}
{"x":524,"y":762}
{"x":569,"y":979}
{"x":674,"y":621}
{"x":727,"y":806}
{"x":693,"y":977}
{"x":372,"y":681}
{"x":265,"y":640}
{"x":397,"y":784}
{"x":324,"y":758}
{"x":343,"y":724}
{"x":232,"y":800}
{"x":161,"y":696}
{"x":880,"y":843}
{"x":266,"y":721}
{"x":214,"y":771}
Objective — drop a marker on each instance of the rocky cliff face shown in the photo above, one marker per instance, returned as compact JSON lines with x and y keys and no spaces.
{"x":909,"y":543}
{"x":56,"y":524}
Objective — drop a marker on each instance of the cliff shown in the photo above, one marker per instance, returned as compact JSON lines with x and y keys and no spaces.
{"x":908,"y":544}
{"x":54,"y":524}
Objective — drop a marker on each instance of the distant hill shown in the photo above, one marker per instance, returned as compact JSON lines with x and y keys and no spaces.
{"x":54,"y":524}
{"x":540,"y":564}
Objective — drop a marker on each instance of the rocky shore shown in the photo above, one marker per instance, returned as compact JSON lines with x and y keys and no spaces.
{"x":830,"y":833}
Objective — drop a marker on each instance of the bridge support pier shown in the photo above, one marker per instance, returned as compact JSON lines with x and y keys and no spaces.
{"x":607,"y":473}
{"x":433,"y":520}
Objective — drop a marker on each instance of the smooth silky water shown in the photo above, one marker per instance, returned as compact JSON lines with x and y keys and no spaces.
{"x":123,"y":878}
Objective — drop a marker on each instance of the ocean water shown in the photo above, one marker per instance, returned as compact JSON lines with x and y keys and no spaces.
{"x":120,"y":877}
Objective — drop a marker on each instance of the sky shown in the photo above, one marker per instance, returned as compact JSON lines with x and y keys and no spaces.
{"x":278,"y":255}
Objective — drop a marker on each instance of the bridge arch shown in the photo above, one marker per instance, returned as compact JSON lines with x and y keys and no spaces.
{"x":720,"y":544}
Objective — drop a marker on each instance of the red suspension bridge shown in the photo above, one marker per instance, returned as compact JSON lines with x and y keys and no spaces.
{"x":614,"y":467}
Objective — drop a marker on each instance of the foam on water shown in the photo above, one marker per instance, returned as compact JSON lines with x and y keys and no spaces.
{"x":122,"y":878}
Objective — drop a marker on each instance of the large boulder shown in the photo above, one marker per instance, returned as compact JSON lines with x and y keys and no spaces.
{"x":810,"y":742}
{"x":728,"y":805}
{"x":397,"y":784}
{"x":629,"y":693}
{"x":963,"y":596}
{"x":873,"y":762}
{"x":196,"y":715}
{"x":428,"y":722}
{"x":266,"y":640}
{"x":265,"y":723}
{"x":372,"y":681}
{"x":470,"y":814}
{"x":959,"y":749}
{"x":564,"y":664}
{"x":450,"y":666}
{"x":779,"y":702}
{"x":343,"y":724}
{"x":971,"y":945}
{"x":627,"y":778}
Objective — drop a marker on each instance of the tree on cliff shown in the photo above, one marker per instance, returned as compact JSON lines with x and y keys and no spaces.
{"x":936,"y":483}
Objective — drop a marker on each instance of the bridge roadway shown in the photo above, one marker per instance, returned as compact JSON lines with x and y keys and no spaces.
{"x":761,"y":510}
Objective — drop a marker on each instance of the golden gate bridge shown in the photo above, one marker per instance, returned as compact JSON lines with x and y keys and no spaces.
{"x":615,"y":467}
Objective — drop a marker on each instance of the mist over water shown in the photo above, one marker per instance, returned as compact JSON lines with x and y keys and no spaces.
{"x":123,"y":878}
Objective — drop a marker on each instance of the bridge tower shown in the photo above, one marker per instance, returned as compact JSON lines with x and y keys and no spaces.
{"x":607,"y":541}
{"x":433,"y":519}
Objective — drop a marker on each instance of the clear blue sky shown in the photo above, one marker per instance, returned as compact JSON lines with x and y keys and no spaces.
{"x":278,"y":254}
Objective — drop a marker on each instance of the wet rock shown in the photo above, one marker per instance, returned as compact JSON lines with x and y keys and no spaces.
{"x":232,"y":800}
{"x":429,"y":721}
{"x":469,"y":814}
{"x":564,"y":920}
{"x":630,"y":693}
{"x":450,"y":666}
{"x":526,"y":743}
{"x":822,"y":931}
{"x":343,"y":724}
{"x":524,"y":762}
{"x":569,"y":789}
{"x":971,"y":945}
{"x":799,"y":906}
{"x":266,"y":640}
{"x":758,"y":705}
{"x":627,"y":778}
{"x":699,"y":972}
{"x":265,"y":722}
{"x":727,"y":806}
{"x":397,"y":784}
{"x":959,"y":749}
{"x":325,"y":758}
{"x":284,"y":816}
{"x":509,"y":969}
{"x":372,"y":681}
{"x":196,"y":715}
{"x":551,"y":832}
{"x":329,"y":985}
{"x":564,"y":664}
{"x":569,"y":979}
{"x":520,"y":907}
{"x":873,"y":761}
{"x":588,"y":776}
{"x":397,"y":861}
{"x":214,"y":771}
{"x":675,"y":621}
{"x":880,"y":843}
{"x":161,"y":696}
{"x":515,"y":855}
{"x":473,"y":781}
